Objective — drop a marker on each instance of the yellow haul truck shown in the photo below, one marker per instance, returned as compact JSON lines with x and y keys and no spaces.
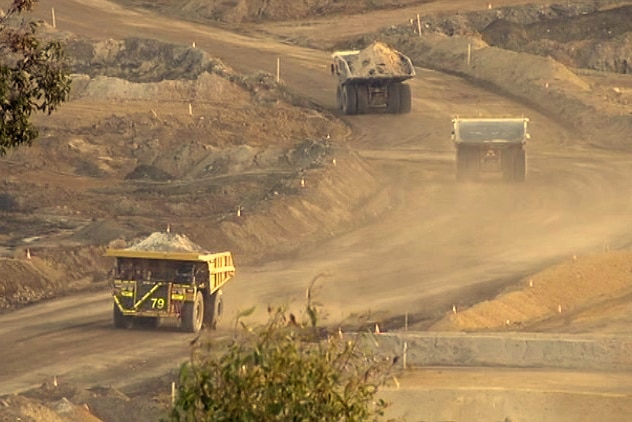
{"x":186,"y":286}
{"x":372,"y":79}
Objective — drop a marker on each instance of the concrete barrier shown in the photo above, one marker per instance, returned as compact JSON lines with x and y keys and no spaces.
{"x":518,"y":350}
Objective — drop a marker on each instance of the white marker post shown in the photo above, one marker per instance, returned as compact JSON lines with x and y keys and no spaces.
{"x":278,"y":73}
{"x":469,"y":54}
{"x":405,"y":352}
{"x":418,"y":25}
{"x":52,"y":14}
{"x":405,"y":342}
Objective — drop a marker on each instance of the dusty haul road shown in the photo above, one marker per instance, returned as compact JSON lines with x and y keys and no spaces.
{"x":441,"y":243}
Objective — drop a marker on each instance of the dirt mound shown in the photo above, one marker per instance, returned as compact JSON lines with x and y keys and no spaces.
{"x":148,"y":172}
{"x":63,"y":402}
{"x":48,"y":270}
{"x":558,"y":291}
{"x":601,"y":40}
{"x":509,"y":35}
{"x":136,"y":59}
{"x":378,"y":59}
{"x":23,"y":282}
{"x":237,"y":11}
{"x":19,"y":408}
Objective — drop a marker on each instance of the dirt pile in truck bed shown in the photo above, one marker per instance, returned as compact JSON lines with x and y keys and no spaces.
{"x":166,"y":242}
{"x":378,"y":59}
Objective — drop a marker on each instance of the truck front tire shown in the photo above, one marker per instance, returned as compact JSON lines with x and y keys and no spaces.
{"x":193,"y":314}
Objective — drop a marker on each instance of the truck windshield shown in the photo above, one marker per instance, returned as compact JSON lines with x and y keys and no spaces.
{"x":486,"y":131}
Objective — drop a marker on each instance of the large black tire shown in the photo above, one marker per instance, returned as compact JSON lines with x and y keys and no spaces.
{"x":405,"y":98}
{"x":514,"y":165}
{"x":120,"y":320}
{"x":213,"y":308}
{"x":363,"y":98}
{"x":467,"y":164}
{"x":462,"y":165}
{"x":349,"y":99}
{"x":474,"y":164}
{"x":520,"y":166}
{"x":193,"y":314}
{"x":393,"y":98}
{"x":507,"y":164}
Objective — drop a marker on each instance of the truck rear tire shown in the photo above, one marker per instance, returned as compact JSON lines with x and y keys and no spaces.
{"x":363,"y":98}
{"x":393,"y":98}
{"x":520,"y":166}
{"x":405,"y":98}
{"x":120,"y":320}
{"x":349,"y":99}
{"x":507,"y":164}
{"x":462,"y":165}
{"x":514,"y":165}
{"x":193,"y":314}
{"x":467,"y":161}
{"x":213,"y":307}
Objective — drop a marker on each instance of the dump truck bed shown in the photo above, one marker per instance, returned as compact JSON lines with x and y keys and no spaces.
{"x":220,"y":265}
{"x":490,"y":130}
{"x":376,"y":62}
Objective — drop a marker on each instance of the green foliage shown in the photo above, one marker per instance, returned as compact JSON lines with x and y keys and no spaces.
{"x":33,"y":76}
{"x":281,"y":371}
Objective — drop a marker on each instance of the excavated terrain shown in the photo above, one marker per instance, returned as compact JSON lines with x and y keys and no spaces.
{"x":160,"y":134}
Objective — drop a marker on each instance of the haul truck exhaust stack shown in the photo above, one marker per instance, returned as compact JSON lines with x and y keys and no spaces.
{"x":181,"y":283}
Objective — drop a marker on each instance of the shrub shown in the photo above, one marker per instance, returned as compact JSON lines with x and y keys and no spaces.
{"x":282,"y":371}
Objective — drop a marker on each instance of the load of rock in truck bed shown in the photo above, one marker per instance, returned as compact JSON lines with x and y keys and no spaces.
{"x":378,"y":59}
{"x":166,"y":242}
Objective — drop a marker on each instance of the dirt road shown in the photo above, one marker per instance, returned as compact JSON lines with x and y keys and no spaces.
{"x":440,"y":243}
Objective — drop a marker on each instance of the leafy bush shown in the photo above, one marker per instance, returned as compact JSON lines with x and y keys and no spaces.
{"x":282,"y":371}
{"x":33,"y":76}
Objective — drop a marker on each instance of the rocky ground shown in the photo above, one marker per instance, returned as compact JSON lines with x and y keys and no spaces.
{"x":132,"y":152}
